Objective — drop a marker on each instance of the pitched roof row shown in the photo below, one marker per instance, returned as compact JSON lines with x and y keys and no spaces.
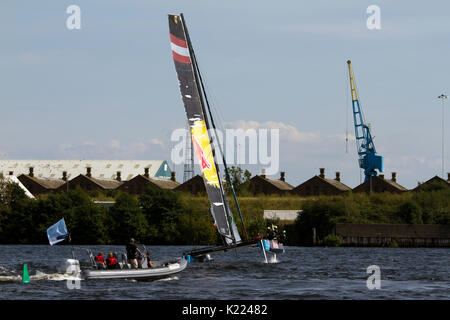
{"x":317,"y":185}
{"x":320,"y":185}
{"x":135,"y":185}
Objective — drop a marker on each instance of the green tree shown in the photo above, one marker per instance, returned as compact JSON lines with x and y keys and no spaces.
{"x":240,"y":179}
{"x":126,"y":220}
{"x":322,"y":215}
{"x":162,"y":209}
{"x":16,"y":220}
{"x":411,"y":212}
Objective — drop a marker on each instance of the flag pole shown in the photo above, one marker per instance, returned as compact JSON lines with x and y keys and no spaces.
{"x":73,"y":249}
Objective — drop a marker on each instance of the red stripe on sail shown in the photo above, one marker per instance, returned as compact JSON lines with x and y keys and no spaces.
{"x":178,"y":41}
{"x":180,"y":58}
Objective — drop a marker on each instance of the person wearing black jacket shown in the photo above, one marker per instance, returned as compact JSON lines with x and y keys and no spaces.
{"x":132,"y":253}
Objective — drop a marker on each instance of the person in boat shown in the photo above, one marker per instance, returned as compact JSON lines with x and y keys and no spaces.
{"x":132,"y":253}
{"x":283,"y":237}
{"x":139,"y":260}
{"x":100,"y":260}
{"x":149,"y":262}
{"x":111,"y":261}
{"x":270,"y":233}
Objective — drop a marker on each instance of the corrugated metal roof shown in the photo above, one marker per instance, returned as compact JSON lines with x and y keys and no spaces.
{"x":100,"y":169}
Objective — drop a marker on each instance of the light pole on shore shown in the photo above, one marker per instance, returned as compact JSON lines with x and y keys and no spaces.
{"x":442,"y":97}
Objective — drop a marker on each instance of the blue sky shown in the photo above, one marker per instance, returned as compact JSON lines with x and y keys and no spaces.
{"x":109,"y":90}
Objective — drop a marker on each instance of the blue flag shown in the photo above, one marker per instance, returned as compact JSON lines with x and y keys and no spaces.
{"x":57,"y":232}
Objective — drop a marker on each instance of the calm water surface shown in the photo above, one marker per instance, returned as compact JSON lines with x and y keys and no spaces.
{"x":300,"y":273}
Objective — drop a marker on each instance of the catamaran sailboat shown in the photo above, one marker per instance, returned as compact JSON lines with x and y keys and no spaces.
{"x":201,"y":123}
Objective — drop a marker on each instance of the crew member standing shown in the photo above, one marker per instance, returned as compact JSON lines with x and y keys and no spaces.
{"x":132,"y":253}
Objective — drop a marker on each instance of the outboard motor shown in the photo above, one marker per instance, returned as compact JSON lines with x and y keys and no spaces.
{"x":70,"y":266}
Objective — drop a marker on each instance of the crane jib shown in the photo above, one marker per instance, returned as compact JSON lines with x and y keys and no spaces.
{"x":368,"y":159}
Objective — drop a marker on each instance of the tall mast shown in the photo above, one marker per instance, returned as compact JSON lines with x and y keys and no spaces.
{"x":200,"y":80}
{"x":202,"y":95}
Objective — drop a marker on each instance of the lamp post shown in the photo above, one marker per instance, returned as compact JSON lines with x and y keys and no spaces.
{"x":442,"y":97}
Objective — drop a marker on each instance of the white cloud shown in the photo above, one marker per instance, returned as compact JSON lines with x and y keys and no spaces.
{"x":157,"y":142}
{"x":114,"y":144}
{"x":287,"y":131}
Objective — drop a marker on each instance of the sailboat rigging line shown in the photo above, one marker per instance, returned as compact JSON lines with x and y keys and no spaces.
{"x":199,"y":79}
{"x":202,"y":103}
{"x":347,"y":113}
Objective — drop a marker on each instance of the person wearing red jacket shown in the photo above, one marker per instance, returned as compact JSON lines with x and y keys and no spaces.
{"x":99,"y":258}
{"x":111,"y":261}
{"x":100,"y":261}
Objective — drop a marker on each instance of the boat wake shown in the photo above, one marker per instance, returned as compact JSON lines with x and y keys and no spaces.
{"x":56,"y":277}
{"x":168,"y":279}
{"x":274,"y":259}
{"x":271,"y":259}
{"x":11,"y":276}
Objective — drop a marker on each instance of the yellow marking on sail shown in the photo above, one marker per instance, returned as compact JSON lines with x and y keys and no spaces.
{"x":204,"y":154}
{"x":175,"y":18}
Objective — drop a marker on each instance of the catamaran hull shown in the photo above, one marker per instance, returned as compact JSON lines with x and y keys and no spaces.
{"x":161,"y":271}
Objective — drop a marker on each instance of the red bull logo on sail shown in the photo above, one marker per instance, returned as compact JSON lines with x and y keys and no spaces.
{"x":201,"y":155}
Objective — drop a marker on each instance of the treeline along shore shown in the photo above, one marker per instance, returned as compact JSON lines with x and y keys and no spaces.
{"x":162,"y":217}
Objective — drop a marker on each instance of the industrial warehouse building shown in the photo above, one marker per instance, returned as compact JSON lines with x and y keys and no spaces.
{"x":195,"y":186}
{"x":100,"y":169}
{"x":137,"y":184}
{"x":45,"y":176}
{"x":319,"y":185}
{"x":260,"y":184}
{"x":430,"y":182}
{"x":380,"y":184}
{"x":132,"y":176}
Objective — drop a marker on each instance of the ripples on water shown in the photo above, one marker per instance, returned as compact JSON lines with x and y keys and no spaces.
{"x":300,"y":273}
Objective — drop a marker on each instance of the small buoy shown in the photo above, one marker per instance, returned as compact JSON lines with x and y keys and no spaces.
{"x":26,"y":277}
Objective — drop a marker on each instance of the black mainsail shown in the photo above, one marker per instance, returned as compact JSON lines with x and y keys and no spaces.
{"x":199,"y":124}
